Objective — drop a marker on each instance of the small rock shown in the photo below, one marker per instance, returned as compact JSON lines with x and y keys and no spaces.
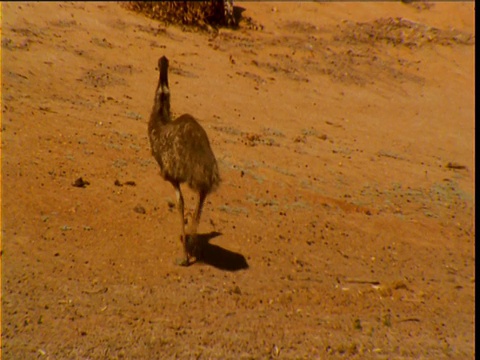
{"x":42,"y":352}
{"x":456,"y":166}
{"x":275,"y":351}
{"x":300,"y":139}
{"x":385,"y":291}
{"x":399,"y":284}
{"x":139,"y":209}
{"x":80,"y":183}
{"x":171,"y":205}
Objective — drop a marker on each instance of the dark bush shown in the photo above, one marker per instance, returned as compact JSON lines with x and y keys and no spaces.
{"x":201,"y":14}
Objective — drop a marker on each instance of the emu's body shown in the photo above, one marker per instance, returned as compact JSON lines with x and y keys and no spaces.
{"x":182,"y":150}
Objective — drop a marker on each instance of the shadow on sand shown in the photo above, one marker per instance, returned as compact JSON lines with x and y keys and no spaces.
{"x":217,"y":256}
{"x":237,"y":13}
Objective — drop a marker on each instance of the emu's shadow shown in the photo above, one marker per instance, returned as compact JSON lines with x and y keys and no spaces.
{"x":237,"y":13}
{"x":217,"y":256}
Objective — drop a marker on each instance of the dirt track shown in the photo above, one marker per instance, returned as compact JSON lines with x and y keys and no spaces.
{"x":344,"y":225}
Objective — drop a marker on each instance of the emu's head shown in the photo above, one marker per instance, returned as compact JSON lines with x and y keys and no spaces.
{"x":162,"y":93}
{"x":163,"y":68}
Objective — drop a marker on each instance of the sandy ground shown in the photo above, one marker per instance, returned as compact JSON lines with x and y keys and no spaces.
{"x":344,"y":224}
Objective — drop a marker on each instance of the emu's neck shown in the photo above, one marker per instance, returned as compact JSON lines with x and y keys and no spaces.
{"x":161,"y":106}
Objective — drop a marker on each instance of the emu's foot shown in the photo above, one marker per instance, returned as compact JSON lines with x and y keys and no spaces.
{"x":195,"y":247}
{"x":190,"y":242}
{"x":193,"y":250}
{"x":182,"y":262}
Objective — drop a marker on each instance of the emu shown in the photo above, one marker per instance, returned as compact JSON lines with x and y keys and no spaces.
{"x":182,"y":150}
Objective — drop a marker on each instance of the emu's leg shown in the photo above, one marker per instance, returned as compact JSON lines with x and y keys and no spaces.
{"x":180,"y":204}
{"x":198,"y":212}
{"x":196,"y":220}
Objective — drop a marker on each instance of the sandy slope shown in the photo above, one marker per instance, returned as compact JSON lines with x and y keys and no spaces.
{"x":333,"y":125}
